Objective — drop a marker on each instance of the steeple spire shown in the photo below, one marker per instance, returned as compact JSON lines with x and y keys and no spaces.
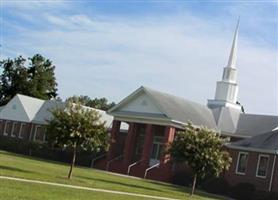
{"x":227,"y":89}
{"x":233,"y":53}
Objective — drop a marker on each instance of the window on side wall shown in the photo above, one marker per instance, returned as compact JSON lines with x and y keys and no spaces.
{"x":22,"y":129}
{"x":262,"y":166}
{"x":242,"y":163}
{"x":7,"y":128}
{"x":13,"y":132}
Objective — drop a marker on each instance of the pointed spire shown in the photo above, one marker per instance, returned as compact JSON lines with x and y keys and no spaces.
{"x":233,"y":53}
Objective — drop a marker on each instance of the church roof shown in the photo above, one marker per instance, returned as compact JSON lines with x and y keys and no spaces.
{"x":235,"y":123}
{"x":230,"y":121}
{"x":44,"y":112}
{"x":183,"y":110}
{"x":266,"y":142}
{"x":33,"y":110}
{"x":251,"y":124}
{"x":169,"y":107}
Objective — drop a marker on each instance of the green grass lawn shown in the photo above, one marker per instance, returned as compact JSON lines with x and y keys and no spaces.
{"x":20,"y":166}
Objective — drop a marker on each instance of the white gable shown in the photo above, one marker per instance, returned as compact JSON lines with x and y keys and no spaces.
{"x":31,"y":105}
{"x":142,"y":103}
{"x":21,"y":108}
{"x":14,"y":110}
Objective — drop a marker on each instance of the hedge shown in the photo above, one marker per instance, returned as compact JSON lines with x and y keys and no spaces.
{"x":42,"y":150}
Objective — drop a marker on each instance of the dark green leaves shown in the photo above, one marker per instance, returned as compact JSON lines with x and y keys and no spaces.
{"x":37,"y":79}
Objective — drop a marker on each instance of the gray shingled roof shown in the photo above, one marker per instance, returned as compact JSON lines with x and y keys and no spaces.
{"x":250,"y":124}
{"x":44,"y":112}
{"x":265,"y":141}
{"x":183,"y":110}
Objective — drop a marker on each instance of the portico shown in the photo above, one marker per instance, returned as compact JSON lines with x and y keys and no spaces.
{"x":153,"y":118}
{"x":144,"y":146}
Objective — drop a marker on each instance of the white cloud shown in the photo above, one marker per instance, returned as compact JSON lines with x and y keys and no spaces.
{"x":183,"y":55}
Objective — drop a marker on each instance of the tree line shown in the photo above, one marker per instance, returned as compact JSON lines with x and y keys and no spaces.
{"x":35,"y":77}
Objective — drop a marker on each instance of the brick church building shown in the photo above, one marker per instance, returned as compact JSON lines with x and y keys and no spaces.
{"x":144,"y":122}
{"x":154,"y":117}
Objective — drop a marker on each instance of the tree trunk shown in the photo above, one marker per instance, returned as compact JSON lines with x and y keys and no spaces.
{"x":72,"y":161}
{"x":194,"y":184}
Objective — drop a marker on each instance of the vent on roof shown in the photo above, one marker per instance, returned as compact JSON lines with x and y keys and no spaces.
{"x":14,"y":107}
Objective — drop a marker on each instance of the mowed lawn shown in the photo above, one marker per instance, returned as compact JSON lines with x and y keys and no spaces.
{"x":20,"y":166}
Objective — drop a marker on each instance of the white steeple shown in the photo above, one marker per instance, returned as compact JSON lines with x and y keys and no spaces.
{"x":227,"y":88}
{"x":233,"y":53}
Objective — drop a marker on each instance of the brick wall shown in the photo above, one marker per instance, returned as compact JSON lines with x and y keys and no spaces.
{"x":22,"y":130}
{"x":250,"y":175}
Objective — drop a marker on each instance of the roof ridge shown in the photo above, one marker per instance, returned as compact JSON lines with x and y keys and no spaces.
{"x":179,"y":97}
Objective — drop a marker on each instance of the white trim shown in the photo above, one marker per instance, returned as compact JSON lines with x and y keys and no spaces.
{"x":35,"y":134}
{"x":20,"y":130}
{"x":272,"y":173}
{"x":241,"y":153}
{"x":5,"y":133}
{"x":13,"y":127}
{"x":258,"y":162}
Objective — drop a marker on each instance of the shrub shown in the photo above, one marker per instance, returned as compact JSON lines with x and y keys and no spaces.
{"x":243,"y":191}
{"x":216,"y":186}
{"x":183,"y":178}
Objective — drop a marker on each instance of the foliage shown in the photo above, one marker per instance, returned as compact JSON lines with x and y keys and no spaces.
{"x":201,"y":150}
{"x":98,"y":103}
{"x":36,"y":80}
{"x":42,"y":150}
{"x":76,"y":127}
{"x":243,"y":191}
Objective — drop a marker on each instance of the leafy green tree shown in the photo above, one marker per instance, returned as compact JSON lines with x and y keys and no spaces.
{"x":76,"y":127}
{"x":202,"y":150}
{"x":98,"y":103}
{"x":37,"y":79}
{"x":42,"y":77}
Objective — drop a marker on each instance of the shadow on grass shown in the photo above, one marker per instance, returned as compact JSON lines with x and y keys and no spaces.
{"x":119,"y":183}
{"x":187,"y":190}
{"x":14,"y":169}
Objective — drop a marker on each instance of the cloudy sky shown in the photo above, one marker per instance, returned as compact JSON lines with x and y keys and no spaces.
{"x":109,"y":48}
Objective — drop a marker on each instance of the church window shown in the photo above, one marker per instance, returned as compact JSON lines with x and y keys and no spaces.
{"x":242,"y":163}
{"x":262,"y":166}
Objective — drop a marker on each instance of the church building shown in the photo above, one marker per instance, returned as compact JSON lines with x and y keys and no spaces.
{"x":153,"y":117}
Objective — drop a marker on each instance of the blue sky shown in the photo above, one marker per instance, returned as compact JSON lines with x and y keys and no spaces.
{"x":110,"y":48}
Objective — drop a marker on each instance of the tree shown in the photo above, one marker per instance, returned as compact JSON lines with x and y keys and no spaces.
{"x":201,"y":149}
{"x":75,"y":127}
{"x":98,"y":103}
{"x":37,"y":79}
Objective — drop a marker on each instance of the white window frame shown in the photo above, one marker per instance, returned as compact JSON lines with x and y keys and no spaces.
{"x":258,"y":162}
{"x":20,"y":130}
{"x":35,"y":134}
{"x":5,"y":133}
{"x":13,"y":127}
{"x":240,"y":153}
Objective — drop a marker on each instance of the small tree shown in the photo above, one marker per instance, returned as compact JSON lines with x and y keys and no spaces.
{"x":75,"y":127}
{"x":201,"y":149}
